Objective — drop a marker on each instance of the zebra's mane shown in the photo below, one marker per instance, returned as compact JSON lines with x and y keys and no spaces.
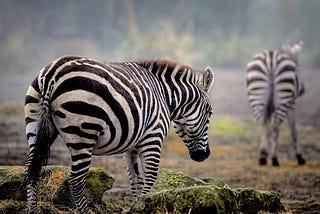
{"x":154,"y":65}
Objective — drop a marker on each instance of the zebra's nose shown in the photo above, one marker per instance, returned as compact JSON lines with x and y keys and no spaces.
{"x":200,"y":154}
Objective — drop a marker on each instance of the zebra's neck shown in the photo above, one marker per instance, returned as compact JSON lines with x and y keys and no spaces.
{"x":178,"y":83}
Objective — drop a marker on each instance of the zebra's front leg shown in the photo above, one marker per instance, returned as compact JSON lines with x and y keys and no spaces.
{"x":133,"y":163}
{"x":294,"y":135}
{"x":81,"y":160}
{"x":150,"y":160}
{"x":264,"y":141}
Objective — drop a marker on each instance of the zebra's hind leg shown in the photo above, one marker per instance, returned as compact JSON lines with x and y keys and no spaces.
{"x":264,"y":141}
{"x":274,"y":144}
{"x":294,"y":135}
{"x":133,"y":163}
{"x":31,"y":187}
{"x":81,"y":160}
{"x":38,"y":156}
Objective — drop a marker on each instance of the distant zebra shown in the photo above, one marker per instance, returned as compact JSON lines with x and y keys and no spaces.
{"x":105,"y":109}
{"x":273,"y":85}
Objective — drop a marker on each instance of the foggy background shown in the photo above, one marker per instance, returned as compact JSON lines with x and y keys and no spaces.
{"x":219,"y":33}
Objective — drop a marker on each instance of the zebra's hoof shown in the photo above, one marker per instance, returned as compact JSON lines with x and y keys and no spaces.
{"x":262,"y":161}
{"x":275,"y":162}
{"x":301,"y":160}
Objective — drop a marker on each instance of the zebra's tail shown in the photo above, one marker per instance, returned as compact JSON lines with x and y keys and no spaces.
{"x":270,"y":103}
{"x":40,"y":150}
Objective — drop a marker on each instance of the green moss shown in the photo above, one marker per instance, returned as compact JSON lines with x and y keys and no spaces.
{"x":175,"y":192}
{"x":97,"y":183}
{"x":196,"y":199}
{"x":53,"y":189}
{"x":169,"y":179}
{"x":252,"y":201}
{"x":214,"y":182}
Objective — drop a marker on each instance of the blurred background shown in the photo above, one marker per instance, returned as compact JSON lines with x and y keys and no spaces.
{"x":223,"y":34}
{"x":220,"y":32}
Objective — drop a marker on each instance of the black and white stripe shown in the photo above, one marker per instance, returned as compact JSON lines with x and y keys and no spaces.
{"x":104,"y":109}
{"x":273,"y":85}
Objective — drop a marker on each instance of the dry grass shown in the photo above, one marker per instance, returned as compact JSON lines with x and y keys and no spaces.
{"x":12,"y":109}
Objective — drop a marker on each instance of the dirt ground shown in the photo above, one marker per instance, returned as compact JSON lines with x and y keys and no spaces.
{"x":234,"y":139}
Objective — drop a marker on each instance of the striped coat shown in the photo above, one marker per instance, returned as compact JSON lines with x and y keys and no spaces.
{"x":273,"y":86}
{"x":105,"y":109}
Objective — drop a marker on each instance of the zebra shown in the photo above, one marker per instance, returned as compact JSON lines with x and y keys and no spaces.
{"x":111,"y":108}
{"x":273,"y":85}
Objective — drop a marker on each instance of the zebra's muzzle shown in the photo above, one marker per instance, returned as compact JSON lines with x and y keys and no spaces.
{"x":200,"y":154}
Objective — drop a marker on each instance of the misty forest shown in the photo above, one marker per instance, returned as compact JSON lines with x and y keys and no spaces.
{"x":222,"y":34}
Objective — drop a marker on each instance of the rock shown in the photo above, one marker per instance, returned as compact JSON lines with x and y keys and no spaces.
{"x":195,"y":199}
{"x":118,"y":200}
{"x":53,"y":189}
{"x":175,"y":192}
{"x":252,"y":201}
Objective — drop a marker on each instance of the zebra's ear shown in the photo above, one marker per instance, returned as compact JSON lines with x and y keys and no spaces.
{"x":208,"y":79}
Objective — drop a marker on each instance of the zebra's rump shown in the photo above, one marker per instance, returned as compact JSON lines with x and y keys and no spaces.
{"x":259,"y":88}
{"x":272,"y":83}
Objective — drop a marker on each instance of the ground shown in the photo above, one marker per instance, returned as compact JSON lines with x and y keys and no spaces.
{"x":234,"y":137}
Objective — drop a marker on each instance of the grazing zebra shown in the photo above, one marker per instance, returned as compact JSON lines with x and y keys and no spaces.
{"x":105,"y":109}
{"x":273,"y":85}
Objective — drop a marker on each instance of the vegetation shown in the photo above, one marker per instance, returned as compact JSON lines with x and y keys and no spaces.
{"x":53,"y":192}
{"x":176,"y":192}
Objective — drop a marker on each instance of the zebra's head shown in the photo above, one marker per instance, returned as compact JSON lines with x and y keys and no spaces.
{"x":192,"y":124}
{"x":292,"y":49}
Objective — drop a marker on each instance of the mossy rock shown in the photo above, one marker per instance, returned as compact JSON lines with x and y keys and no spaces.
{"x":253,"y":201}
{"x":53,"y":187}
{"x":175,"y":192}
{"x":169,"y":179}
{"x":195,"y":199}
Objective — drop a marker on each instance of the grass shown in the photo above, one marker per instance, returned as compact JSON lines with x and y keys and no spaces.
{"x":227,"y":126}
{"x":234,"y":143}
